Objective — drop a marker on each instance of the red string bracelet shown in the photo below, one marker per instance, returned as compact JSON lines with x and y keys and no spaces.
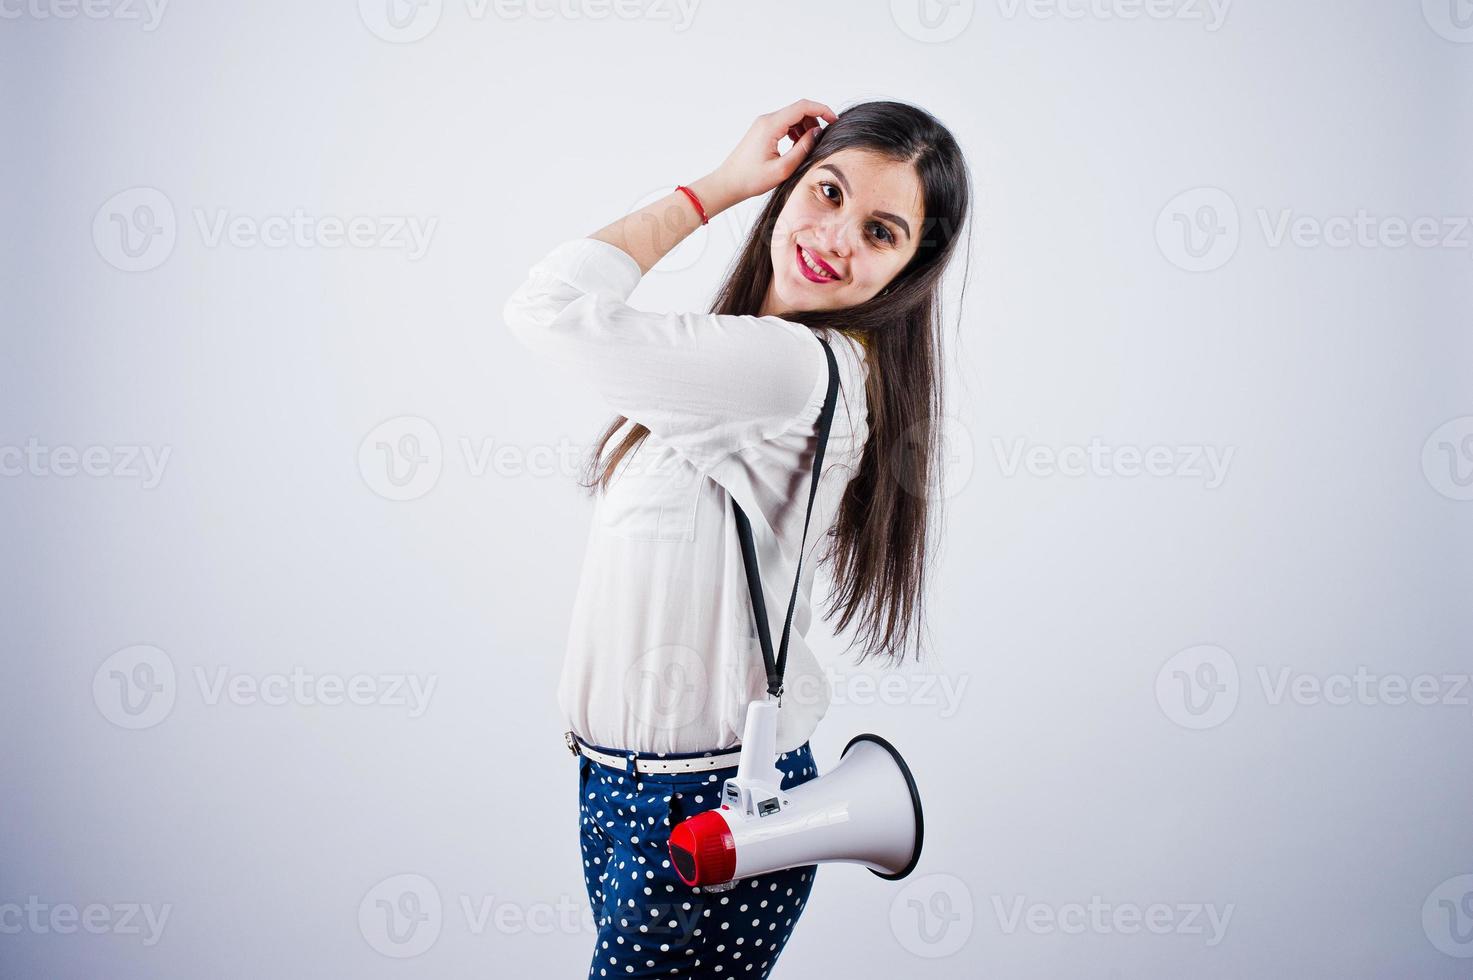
{"x":694,"y":200}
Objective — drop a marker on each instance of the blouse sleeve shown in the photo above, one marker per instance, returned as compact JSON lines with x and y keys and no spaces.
{"x":708,"y":384}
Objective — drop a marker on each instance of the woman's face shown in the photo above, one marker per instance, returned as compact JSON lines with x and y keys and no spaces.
{"x":857,"y":216}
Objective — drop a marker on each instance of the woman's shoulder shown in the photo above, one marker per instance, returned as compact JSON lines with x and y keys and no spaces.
{"x":850,"y":353}
{"x":852,"y":359}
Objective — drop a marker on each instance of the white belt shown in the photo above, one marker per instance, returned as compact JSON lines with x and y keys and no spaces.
{"x":645,"y":764}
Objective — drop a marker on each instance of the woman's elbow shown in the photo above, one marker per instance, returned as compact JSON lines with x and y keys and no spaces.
{"x":515,"y":314}
{"x":528,"y":316}
{"x":549,"y":326}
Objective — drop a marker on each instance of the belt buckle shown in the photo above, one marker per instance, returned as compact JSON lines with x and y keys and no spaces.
{"x":572,"y":742}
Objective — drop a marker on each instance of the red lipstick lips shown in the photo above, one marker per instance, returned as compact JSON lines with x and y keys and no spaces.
{"x":808,"y":273}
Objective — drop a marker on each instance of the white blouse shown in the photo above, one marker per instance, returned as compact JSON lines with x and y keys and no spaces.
{"x":662,"y":652}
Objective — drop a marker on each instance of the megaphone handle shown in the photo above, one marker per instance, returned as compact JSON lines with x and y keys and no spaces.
{"x":758,"y":761}
{"x":775,"y":667}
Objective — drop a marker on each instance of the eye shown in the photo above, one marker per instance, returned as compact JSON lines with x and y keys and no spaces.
{"x":884,"y":234}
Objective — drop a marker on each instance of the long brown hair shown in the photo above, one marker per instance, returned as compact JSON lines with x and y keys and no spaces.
{"x":880,"y":535}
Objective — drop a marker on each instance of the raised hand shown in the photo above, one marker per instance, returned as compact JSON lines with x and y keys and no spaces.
{"x":755,"y":166}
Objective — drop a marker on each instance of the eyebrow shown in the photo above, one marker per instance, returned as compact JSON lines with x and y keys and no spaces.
{"x":878,"y":214}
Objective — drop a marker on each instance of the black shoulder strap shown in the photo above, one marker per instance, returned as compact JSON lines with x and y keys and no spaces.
{"x":776,"y":667}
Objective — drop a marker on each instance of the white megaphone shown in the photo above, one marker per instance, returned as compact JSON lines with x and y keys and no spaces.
{"x":864,"y":811}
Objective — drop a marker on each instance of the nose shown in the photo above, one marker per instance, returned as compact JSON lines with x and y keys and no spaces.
{"x":832,"y":235}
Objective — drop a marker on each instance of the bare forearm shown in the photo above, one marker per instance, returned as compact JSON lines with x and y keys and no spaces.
{"x":651,"y":232}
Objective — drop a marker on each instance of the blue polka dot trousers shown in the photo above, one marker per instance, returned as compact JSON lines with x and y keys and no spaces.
{"x":652,"y":924}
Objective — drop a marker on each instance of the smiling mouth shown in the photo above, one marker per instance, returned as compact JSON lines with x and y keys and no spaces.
{"x":822,"y":272}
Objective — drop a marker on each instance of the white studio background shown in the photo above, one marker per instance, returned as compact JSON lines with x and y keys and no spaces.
{"x":1207,"y":719}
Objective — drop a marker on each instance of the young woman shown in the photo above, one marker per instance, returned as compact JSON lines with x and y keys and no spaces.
{"x":722,"y":408}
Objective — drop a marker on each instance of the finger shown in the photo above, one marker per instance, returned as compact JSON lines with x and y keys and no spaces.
{"x":798,"y":151}
{"x":807,"y":107}
{"x":802,"y":109}
{"x":804,"y":126}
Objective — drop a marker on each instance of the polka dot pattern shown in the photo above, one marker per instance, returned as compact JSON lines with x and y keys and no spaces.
{"x":652,"y":924}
